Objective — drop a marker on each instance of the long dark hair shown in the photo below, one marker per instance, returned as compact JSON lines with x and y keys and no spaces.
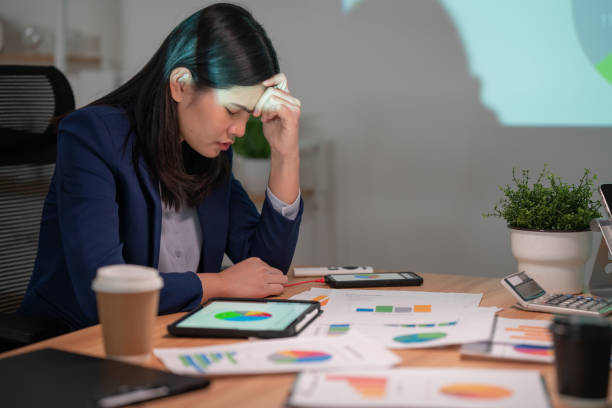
{"x":222,"y":45}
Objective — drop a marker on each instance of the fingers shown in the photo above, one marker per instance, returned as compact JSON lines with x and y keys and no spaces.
{"x":278,"y":81}
{"x":272,"y":99}
{"x":274,"y":289}
{"x":275,"y":281}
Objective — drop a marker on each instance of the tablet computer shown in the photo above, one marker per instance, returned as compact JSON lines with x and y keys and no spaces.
{"x":240,"y":317}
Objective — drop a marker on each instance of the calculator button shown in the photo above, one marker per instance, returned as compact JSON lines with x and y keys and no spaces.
{"x":604,"y":305}
{"x":605,"y":309}
{"x":587,"y":305}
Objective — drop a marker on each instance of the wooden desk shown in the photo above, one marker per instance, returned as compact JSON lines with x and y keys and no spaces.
{"x":271,"y":390}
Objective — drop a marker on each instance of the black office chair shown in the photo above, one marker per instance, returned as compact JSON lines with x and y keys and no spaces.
{"x":30,"y":97}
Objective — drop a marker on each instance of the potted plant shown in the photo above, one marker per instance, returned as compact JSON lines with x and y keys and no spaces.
{"x":549,"y":224}
{"x":252,"y":159}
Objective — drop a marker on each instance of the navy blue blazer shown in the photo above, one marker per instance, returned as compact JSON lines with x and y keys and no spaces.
{"x":100,"y":211}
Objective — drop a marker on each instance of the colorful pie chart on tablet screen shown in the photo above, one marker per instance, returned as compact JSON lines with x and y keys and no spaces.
{"x":299,"y":356}
{"x":243,"y":316}
{"x":476,"y":391}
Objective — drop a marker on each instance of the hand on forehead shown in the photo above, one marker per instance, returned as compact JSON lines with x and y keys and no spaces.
{"x":244,"y":97}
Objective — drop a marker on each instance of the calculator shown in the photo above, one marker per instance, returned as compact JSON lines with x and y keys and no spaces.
{"x":531,"y":296}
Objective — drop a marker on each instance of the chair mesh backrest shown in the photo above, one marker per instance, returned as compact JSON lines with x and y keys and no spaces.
{"x":22,"y":192}
{"x":27,"y":103}
{"x":30,"y":97}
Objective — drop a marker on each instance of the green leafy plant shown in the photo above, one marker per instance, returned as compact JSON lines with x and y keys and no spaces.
{"x":558,"y":206}
{"x":253,"y":144}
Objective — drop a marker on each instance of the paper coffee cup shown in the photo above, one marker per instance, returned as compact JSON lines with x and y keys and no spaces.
{"x":128,"y":298}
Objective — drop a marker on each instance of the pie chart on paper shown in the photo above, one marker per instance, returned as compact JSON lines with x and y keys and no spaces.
{"x":476,"y":391}
{"x":299,"y":356}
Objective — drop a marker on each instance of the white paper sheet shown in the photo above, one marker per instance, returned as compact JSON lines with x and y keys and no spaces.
{"x":522,"y":331}
{"x":521,"y":352}
{"x":414,"y":331}
{"x":420,"y":387}
{"x":278,"y":355}
{"x":373,"y":305}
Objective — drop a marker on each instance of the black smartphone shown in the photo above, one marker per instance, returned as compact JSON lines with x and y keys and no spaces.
{"x":605,"y":190}
{"x":368,"y":280}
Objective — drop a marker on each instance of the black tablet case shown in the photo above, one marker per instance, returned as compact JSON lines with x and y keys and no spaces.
{"x":55,"y":378}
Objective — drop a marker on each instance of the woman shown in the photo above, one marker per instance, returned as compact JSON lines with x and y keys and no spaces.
{"x":143,"y":176}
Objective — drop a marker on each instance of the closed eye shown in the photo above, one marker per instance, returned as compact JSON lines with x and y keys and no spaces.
{"x":230,"y":112}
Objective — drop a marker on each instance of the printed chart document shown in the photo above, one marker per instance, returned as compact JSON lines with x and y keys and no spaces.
{"x":387,"y":304}
{"x":401,"y":319}
{"x":279,"y":355}
{"x":522,"y":331}
{"x":516,"y":339}
{"x":522,"y":352}
{"x":415,"y":331}
{"x":420,"y":387}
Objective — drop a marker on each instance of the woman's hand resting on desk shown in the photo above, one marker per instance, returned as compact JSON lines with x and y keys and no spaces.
{"x":250,"y":278}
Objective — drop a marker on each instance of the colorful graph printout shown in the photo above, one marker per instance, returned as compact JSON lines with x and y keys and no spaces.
{"x":476,"y":391}
{"x":299,"y":356}
{"x":522,"y":331}
{"x":520,"y":352}
{"x":415,"y":331}
{"x":546,"y":351}
{"x":529,"y":332}
{"x":336,"y":329}
{"x":395,"y":309}
{"x":349,"y":351}
{"x":367,"y":387}
{"x":420,"y":387}
{"x":200,"y":361}
{"x":413,"y":325}
{"x":419,"y":337}
{"x":342,"y":302}
{"x":243,"y":316}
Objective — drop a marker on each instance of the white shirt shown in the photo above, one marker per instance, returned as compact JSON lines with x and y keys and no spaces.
{"x":180,"y":245}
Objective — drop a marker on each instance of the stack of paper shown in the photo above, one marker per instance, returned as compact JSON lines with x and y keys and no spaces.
{"x":420,"y":387}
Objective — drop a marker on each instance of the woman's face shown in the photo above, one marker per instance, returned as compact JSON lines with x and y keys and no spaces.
{"x":210,"y":120}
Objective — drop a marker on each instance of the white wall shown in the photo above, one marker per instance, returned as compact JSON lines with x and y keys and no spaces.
{"x":417,"y":157}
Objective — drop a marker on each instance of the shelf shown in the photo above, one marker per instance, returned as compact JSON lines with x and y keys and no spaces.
{"x":45,"y":59}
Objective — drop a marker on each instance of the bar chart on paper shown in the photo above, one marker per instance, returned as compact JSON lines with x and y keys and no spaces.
{"x":522,"y":332}
{"x":394,"y":309}
{"x":367,"y":387}
{"x":202,"y":361}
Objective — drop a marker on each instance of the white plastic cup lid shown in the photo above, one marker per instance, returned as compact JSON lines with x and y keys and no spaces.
{"x":126,"y":278}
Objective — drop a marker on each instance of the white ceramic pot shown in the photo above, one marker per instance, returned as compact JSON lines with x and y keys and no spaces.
{"x":554,"y":259}
{"x":252,"y":173}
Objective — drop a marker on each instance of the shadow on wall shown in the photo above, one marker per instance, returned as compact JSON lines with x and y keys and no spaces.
{"x":418,"y":156}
